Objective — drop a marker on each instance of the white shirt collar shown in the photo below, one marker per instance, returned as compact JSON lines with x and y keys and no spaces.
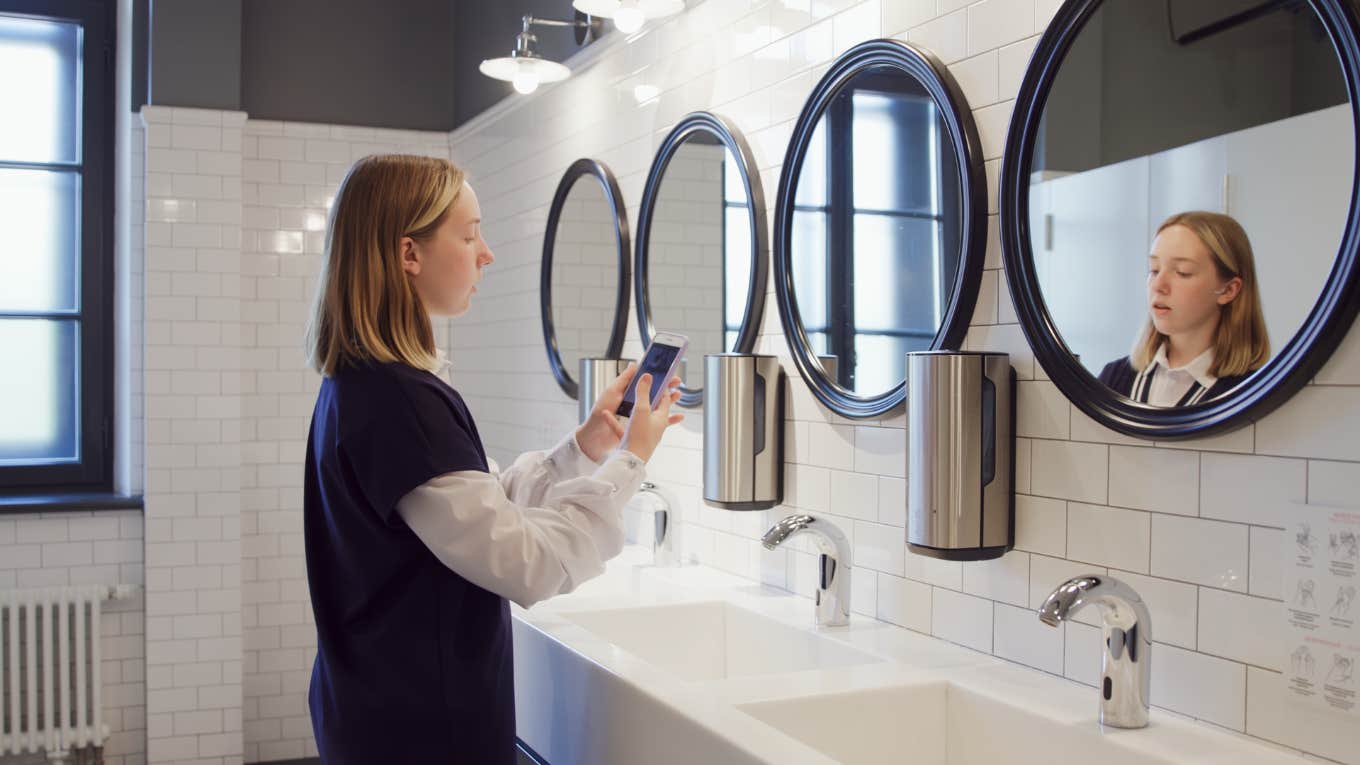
{"x":442,"y":363}
{"x":1197,"y":368}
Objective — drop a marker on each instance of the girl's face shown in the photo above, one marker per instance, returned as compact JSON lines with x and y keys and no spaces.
{"x":444,"y":269}
{"x":1184,"y":289}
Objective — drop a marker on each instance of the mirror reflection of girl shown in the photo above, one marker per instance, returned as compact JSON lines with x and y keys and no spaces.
{"x":1205,"y":331}
{"x":414,"y":539}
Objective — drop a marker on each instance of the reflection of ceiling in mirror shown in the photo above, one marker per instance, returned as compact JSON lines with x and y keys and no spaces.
{"x":1288,"y":183}
{"x":585,"y":274}
{"x":1126,"y":89}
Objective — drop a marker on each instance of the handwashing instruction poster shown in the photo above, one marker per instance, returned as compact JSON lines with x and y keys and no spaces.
{"x":1321,"y":576}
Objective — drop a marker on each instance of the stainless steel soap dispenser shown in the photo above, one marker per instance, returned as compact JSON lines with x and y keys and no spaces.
{"x":960,"y":454}
{"x":596,"y":374}
{"x":743,"y":431}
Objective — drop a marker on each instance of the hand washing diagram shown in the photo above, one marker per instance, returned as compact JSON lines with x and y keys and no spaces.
{"x":1301,"y":661}
{"x":1305,"y":540}
{"x":1321,"y":578}
{"x":1303,"y":595}
{"x":1345,"y":546}
{"x":1341,"y":669}
{"x":1345,"y":596}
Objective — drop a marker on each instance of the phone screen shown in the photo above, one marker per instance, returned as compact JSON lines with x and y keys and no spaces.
{"x":657,"y":363}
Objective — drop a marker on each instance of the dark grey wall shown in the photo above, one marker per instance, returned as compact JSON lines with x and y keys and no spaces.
{"x":353,"y":62}
{"x":195,"y":56}
{"x":409,"y":64}
{"x":487,"y":30}
{"x":141,"y":15}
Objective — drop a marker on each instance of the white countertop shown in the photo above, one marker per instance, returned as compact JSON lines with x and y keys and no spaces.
{"x":631,"y":703}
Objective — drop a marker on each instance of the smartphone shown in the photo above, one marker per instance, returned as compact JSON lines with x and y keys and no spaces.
{"x":660,"y":361}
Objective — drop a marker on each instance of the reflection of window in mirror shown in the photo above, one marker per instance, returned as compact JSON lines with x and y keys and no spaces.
{"x":1162,"y":108}
{"x":873,"y":230}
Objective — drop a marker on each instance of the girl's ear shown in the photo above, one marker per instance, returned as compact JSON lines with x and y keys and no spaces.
{"x":1230,"y":290}
{"x":410,"y":258}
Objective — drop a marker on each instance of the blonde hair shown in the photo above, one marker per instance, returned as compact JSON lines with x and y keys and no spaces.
{"x":1241,"y":344}
{"x":365,"y":309}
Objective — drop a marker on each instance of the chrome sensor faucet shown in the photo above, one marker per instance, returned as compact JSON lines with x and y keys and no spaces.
{"x":833,"y":564}
{"x":665,"y":552}
{"x":1126,"y":667}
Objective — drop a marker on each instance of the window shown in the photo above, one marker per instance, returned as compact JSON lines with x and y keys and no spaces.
{"x":56,"y":243}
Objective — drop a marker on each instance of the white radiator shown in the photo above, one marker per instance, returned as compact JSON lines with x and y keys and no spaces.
{"x":50,"y":684}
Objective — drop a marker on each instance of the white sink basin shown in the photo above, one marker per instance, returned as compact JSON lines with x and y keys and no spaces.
{"x":706,"y":641}
{"x":942,"y":723}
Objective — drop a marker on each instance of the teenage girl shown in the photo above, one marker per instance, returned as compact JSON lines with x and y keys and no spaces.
{"x":1205,"y":331}
{"x":414,"y":539}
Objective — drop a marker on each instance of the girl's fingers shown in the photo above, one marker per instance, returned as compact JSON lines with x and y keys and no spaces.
{"x":642,"y":399}
{"x":625,"y":377}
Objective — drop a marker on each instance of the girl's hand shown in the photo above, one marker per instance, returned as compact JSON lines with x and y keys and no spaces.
{"x":603,"y":431}
{"x":647,"y":425}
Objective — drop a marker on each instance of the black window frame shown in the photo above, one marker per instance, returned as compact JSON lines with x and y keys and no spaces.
{"x":93,"y":471}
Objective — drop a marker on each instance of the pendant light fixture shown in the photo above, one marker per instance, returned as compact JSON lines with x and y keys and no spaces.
{"x":629,"y":15}
{"x":524,"y":68}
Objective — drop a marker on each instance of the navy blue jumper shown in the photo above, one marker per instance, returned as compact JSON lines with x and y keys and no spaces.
{"x":414,"y":663}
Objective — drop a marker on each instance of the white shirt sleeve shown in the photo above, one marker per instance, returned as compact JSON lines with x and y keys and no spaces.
{"x":524,"y":551}
{"x":527,"y":481}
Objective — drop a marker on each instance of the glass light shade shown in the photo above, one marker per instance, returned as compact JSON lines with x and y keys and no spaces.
{"x":629,"y":19}
{"x":525,"y":83}
{"x":523,"y":70}
{"x":629,"y":22}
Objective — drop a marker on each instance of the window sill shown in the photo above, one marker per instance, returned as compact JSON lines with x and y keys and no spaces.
{"x":56,"y":503}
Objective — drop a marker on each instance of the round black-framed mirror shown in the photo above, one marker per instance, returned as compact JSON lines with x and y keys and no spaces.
{"x":607,"y":221}
{"x":918,"y":253}
{"x":1030,"y":187}
{"x":712,"y":185}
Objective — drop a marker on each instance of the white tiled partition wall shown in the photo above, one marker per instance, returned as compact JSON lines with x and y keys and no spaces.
{"x":1196,"y":527}
{"x":235,"y":219}
{"x":291,"y":173}
{"x":192,"y":388}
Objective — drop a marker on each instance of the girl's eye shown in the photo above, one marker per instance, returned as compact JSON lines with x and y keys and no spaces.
{"x":1184,"y":274}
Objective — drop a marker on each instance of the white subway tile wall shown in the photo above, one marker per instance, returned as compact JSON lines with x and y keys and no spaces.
{"x":1195,"y":527}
